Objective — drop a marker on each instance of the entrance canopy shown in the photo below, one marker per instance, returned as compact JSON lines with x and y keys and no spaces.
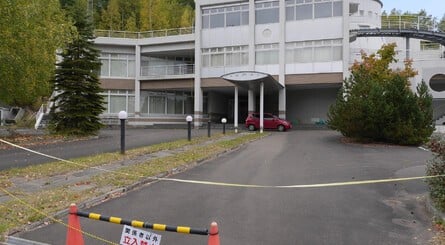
{"x":251,"y":80}
{"x":255,"y":82}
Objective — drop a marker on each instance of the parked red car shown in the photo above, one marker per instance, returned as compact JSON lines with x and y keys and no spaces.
{"x":270,"y":122}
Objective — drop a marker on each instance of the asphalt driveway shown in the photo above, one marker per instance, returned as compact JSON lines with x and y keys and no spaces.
{"x":386,"y":213}
{"x":108,"y":140}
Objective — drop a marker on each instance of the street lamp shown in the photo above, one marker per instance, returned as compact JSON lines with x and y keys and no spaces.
{"x":224,"y":121}
{"x":189,"y":120}
{"x":122,"y":117}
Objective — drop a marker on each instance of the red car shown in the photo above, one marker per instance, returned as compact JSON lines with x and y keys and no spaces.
{"x":270,"y":122}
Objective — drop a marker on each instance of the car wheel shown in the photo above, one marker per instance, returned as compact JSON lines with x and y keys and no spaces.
{"x":251,"y":127}
{"x":280,"y":128}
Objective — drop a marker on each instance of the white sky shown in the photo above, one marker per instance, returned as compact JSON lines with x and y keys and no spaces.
{"x":435,"y":8}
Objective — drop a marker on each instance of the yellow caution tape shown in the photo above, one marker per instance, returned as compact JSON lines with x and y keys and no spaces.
{"x":201,"y":182}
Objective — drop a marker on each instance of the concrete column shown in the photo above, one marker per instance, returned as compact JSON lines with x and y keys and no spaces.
{"x":137,"y":82}
{"x":282,"y":103}
{"x":197,"y":80}
{"x":346,"y":44}
{"x":407,"y":46}
{"x":261,"y":107}
{"x":252,"y":35}
{"x":251,"y":101}
{"x":235,"y":117}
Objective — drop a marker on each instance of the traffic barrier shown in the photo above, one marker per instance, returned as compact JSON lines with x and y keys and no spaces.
{"x":74,"y":233}
{"x":213,"y":234}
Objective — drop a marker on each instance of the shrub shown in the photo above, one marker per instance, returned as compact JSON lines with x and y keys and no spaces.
{"x":377,"y":104}
{"x":436,"y":166}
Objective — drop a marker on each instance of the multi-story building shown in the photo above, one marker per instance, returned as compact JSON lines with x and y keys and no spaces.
{"x":287,"y":57}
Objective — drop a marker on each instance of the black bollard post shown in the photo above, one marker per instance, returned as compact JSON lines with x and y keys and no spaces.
{"x":122,"y":136}
{"x":189,"y":133}
{"x":208,"y":128}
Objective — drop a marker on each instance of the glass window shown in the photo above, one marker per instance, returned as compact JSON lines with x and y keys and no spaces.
{"x":265,"y":16}
{"x":216,"y":20}
{"x":322,"y":54}
{"x":206,"y":60}
{"x":337,"y":53}
{"x":105,"y":69}
{"x":233,"y":19}
{"x":205,"y":21}
{"x":303,"y":55}
{"x":265,"y":57}
{"x":244,"y":18}
{"x":157,"y":104}
{"x":118,"y":68}
{"x":131,"y":68}
{"x":179,"y":101}
{"x":171,"y":104}
{"x":338,"y":9}
{"x":130,"y":104}
{"x":290,"y":13}
{"x":323,"y":10}
{"x":117,"y":103}
{"x":217,"y":60}
{"x":303,"y":12}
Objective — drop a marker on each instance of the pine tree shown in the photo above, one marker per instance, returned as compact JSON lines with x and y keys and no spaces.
{"x":78,"y":103}
{"x":377,"y":104}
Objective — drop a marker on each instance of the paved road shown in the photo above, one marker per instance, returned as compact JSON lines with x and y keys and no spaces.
{"x":389,"y":213}
{"x":108,"y":141}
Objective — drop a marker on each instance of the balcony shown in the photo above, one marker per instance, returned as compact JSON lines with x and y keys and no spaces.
{"x":167,"y":72}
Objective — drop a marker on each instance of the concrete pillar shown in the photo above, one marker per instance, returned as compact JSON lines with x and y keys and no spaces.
{"x":282,"y":103}
{"x":252,"y":35}
{"x":407,"y":46}
{"x":261,"y":107}
{"x":137,"y":82}
{"x":251,"y":101}
{"x":197,"y":81}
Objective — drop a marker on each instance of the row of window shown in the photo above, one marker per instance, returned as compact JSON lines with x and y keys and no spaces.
{"x":225,"y":56}
{"x":265,"y":54}
{"x":224,"y":17}
{"x":158,"y":103}
{"x":268,"y":12}
{"x":314,"y":51}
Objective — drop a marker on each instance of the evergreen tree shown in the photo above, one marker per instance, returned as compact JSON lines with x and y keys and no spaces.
{"x":78,"y":103}
{"x":376,"y":103}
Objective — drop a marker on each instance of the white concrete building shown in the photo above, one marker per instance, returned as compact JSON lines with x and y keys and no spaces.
{"x":294,"y":52}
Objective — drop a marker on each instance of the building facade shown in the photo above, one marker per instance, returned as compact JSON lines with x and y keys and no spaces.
{"x":300,"y":49}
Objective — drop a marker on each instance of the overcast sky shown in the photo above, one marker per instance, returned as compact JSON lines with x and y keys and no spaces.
{"x":434,"y":7}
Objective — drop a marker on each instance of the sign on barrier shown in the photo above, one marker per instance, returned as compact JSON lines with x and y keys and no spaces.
{"x":134,"y":236}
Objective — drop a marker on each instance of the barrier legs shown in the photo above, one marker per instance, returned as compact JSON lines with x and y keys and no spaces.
{"x":74,"y":233}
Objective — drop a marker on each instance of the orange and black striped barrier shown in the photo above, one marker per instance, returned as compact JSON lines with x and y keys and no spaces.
{"x":74,"y":235}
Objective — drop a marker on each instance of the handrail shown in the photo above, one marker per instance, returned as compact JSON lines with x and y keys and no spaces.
{"x":145,"y":34}
{"x":168,"y":70}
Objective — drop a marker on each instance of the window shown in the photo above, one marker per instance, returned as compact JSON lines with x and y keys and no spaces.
{"x":118,"y":100}
{"x":266,"y":54}
{"x":303,"y":12}
{"x":157,"y":104}
{"x":267,"y":12}
{"x":225,"y":56}
{"x":338,"y":9}
{"x":236,"y":15}
{"x":117,"y":65}
{"x":310,"y":9}
{"x":323,"y":10}
{"x":314,"y":51}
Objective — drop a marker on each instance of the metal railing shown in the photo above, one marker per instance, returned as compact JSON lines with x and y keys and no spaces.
{"x":167,"y":70}
{"x":409,"y":22}
{"x":145,"y":34}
